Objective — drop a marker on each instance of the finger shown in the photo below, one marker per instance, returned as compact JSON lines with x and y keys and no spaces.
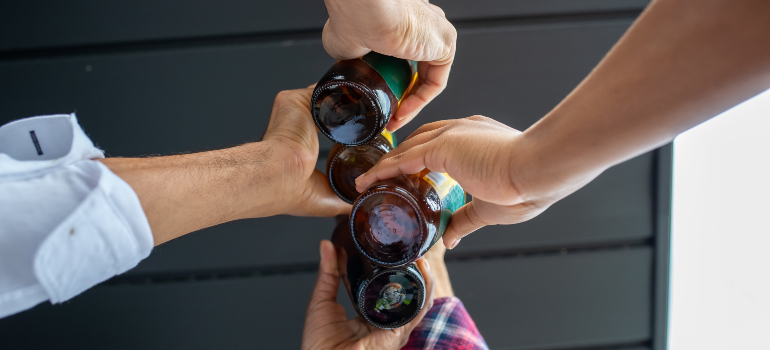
{"x":491,"y":122}
{"x":328,"y":280}
{"x":411,"y":161}
{"x":291,"y":110}
{"x":312,"y":89}
{"x":410,"y":143}
{"x":464,"y":221}
{"x":427,"y":275}
{"x":432,"y":80}
{"x":339,"y":45}
{"x":427,"y":36}
{"x":320,"y":199}
{"x":429,"y":127}
{"x":436,"y":9}
{"x":397,"y":338}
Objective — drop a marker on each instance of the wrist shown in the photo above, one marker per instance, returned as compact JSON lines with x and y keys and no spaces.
{"x":442,"y":287}
{"x":259,"y":179}
{"x":554,"y":158}
{"x":522,"y":167}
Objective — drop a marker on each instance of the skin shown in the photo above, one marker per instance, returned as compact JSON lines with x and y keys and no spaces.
{"x":274,"y":176}
{"x":442,"y":286}
{"x":185,"y":193}
{"x":681,"y":63}
{"x":409,"y":29}
{"x":327,"y":326}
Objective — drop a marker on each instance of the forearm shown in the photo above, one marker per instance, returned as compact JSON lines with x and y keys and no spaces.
{"x":185,"y":193}
{"x":442,"y":286}
{"x":680,"y":64}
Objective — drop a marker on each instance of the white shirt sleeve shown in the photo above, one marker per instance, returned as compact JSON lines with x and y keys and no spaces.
{"x":66,"y":221}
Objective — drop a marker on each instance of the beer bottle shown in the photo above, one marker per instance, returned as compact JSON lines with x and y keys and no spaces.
{"x":345,"y":164}
{"x":386,"y":298}
{"x":355,"y":99}
{"x":395,"y":221}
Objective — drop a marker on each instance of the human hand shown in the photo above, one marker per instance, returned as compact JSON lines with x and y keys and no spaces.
{"x":490,"y":160}
{"x":299,"y":188}
{"x":187,"y":192}
{"x":409,"y":29}
{"x":443,"y":286}
{"x":327,"y":327}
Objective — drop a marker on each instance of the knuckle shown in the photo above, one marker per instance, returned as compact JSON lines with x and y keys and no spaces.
{"x":282,"y":97}
{"x":474,"y":218}
{"x":281,"y":101}
{"x":395,"y":158}
{"x":437,"y":10}
{"x":478,"y":118}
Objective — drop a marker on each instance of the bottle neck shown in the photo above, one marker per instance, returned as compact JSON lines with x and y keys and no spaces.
{"x":389,"y":223}
{"x":392,"y":297}
{"x":345,"y":164}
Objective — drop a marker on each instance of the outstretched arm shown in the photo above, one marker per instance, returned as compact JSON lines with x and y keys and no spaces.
{"x":185,"y":193}
{"x":681,"y":63}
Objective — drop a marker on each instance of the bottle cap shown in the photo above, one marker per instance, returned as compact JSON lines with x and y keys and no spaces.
{"x":386,"y":227}
{"x":347,"y":112}
{"x":392,"y":297}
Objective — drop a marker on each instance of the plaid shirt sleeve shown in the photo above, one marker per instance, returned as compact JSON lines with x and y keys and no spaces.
{"x":446,"y":326}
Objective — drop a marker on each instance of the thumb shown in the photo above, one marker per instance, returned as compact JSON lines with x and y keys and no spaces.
{"x":464,"y":221}
{"x":339,"y":46}
{"x":328,"y":281}
{"x":321,"y":199}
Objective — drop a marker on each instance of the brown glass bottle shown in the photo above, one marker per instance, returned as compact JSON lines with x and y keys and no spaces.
{"x":346,"y":163}
{"x":395,"y":221}
{"x":355,"y":99}
{"x":386,"y":298}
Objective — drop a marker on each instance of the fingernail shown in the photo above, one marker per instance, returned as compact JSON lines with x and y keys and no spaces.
{"x":455,"y":243}
{"x":358,"y":179}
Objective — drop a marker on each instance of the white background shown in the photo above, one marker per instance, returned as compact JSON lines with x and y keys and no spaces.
{"x":720,"y":272}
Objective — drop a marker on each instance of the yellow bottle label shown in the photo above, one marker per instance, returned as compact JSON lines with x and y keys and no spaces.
{"x":441,"y":182}
{"x":389,"y":136}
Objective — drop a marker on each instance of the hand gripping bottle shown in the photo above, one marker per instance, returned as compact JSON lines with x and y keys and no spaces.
{"x":355,"y":99}
{"x":345,"y":164}
{"x":386,"y":298}
{"x":395,"y":221}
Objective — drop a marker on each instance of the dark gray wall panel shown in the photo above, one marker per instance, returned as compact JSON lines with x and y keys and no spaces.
{"x":211,"y":97}
{"x":38,"y":24}
{"x":260,"y":243}
{"x":165,"y":101}
{"x":487,"y":9}
{"x":518,"y":303}
{"x":559,"y":301}
{"x":85,"y":22}
{"x":517,"y":74}
{"x":260,"y":313}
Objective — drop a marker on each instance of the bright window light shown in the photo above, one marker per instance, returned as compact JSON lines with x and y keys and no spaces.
{"x":720,"y":270}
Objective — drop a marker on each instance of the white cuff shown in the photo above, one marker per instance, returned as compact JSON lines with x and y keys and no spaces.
{"x":66,"y":221}
{"x":106,"y":235}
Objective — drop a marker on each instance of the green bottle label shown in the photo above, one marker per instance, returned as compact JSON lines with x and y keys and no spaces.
{"x":452,"y":198}
{"x":398,"y":73}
